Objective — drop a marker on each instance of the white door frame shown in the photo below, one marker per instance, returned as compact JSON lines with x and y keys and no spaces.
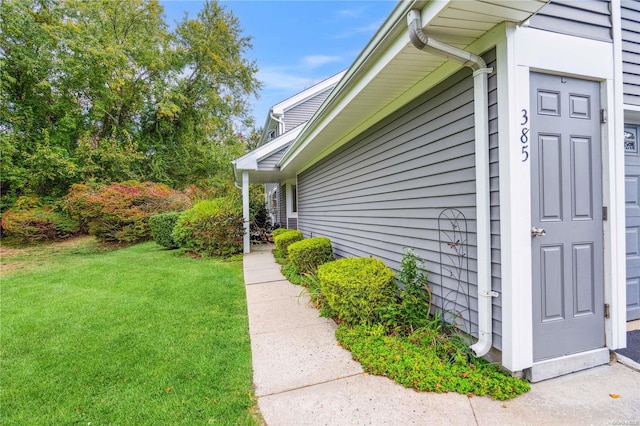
{"x":524,"y":50}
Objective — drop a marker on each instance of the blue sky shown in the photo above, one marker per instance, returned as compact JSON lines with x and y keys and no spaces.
{"x":297,"y":43}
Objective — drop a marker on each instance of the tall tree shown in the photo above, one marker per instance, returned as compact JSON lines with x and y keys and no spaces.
{"x":100,"y":90}
{"x":192,"y":129}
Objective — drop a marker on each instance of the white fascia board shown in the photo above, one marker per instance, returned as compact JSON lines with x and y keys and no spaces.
{"x":250,"y":160}
{"x":279,"y":108}
{"x":371,"y":60}
{"x":267,"y":128}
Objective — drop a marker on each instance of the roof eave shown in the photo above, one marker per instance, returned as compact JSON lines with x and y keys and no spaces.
{"x":388,"y":48}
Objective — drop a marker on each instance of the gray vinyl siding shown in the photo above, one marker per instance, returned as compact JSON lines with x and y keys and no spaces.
{"x":630,"y":11}
{"x":385,"y":190}
{"x":582,"y":18}
{"x":269,"y":163}
{"x":302,"y":112}
{"x":282,"y":206}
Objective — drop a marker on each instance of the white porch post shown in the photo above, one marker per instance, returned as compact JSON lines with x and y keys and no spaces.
{"x":245,"y":211}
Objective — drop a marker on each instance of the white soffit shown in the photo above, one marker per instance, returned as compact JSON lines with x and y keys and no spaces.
{"x":390,"y":66}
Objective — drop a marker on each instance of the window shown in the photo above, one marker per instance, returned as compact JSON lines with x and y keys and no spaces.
{"x":294,"y":198}
{"x":631,"y":139}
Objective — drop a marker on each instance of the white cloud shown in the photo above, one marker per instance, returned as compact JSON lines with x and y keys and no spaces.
{"x":351,"y":13}
{"x":277,"y":78}
{"x":370,"y":29}
{"x":316,"y":61}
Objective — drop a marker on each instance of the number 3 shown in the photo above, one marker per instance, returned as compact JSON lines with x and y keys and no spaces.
{"x":525,"y":118}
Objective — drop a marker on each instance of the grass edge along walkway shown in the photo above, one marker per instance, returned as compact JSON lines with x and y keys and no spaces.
{"x":139,"y":335}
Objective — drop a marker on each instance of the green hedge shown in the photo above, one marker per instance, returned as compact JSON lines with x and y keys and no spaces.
{"x":358,"y":290}
{"x":162,"y":228}
{"x":212,"y":227}
{"x":279,"y":231}
{"x":284,"y":240}
{"x":307,"y":255}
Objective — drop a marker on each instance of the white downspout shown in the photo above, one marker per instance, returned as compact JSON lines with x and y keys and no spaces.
{"x":483,"y":218}
{"x":281,"y":129}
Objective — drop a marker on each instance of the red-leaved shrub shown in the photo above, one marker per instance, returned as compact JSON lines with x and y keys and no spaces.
{"x":31,"y":220}
{"x":120,"y":212}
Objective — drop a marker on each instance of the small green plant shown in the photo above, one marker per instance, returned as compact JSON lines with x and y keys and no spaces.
{"x":357,"y":289}
{"x":279,"y":257}
{"x":161,"y":226}
{"x":415,"y":296}
{"x":312,"y":283}
{"x":291,"y":273}
{"x":285,"y":239}
{"x":306,"y":255}
{"x":426,"y":361}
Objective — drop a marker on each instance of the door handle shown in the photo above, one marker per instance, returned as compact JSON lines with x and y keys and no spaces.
{"x":538,"y":232}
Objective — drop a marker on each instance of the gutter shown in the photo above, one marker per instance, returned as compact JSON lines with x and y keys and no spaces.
{"x":483,"y":218}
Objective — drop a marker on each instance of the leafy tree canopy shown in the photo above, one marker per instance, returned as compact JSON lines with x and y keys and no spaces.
{"x":102,"y":91}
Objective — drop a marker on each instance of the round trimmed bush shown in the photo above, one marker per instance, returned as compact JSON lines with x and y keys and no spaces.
{"x":306,"y":255}
{"x":357,"y":289}
{"x":284,"y":240}
{"x":162,"y":228}
{"x":279,"y":231}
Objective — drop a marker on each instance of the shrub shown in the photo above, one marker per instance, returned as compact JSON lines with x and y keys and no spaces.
{"x":291,"y":274}
{"x":285,"y":239}
{"x":161,"y":226}
{"x":307,"y":255}
{"x":427,"y":361}
{"x":413,"y":310}
{"x":120,"y":212}
{"x":212,"y":228}
{"x":260,"y":221}
{"x":31,"y":220}
{"x":357,"y":289}
{"x":279,"y":231}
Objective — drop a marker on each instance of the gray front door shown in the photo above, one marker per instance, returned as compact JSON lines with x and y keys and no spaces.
{"x":566,"y":179}
{"x":632,"y":211}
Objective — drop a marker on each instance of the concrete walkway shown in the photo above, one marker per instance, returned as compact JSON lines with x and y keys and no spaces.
{"x":302,"y":377}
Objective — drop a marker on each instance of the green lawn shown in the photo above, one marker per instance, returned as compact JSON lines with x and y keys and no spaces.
{"x":135,"y":336}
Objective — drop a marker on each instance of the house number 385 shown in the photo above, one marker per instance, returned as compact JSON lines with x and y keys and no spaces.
{"x":524,"y":135}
